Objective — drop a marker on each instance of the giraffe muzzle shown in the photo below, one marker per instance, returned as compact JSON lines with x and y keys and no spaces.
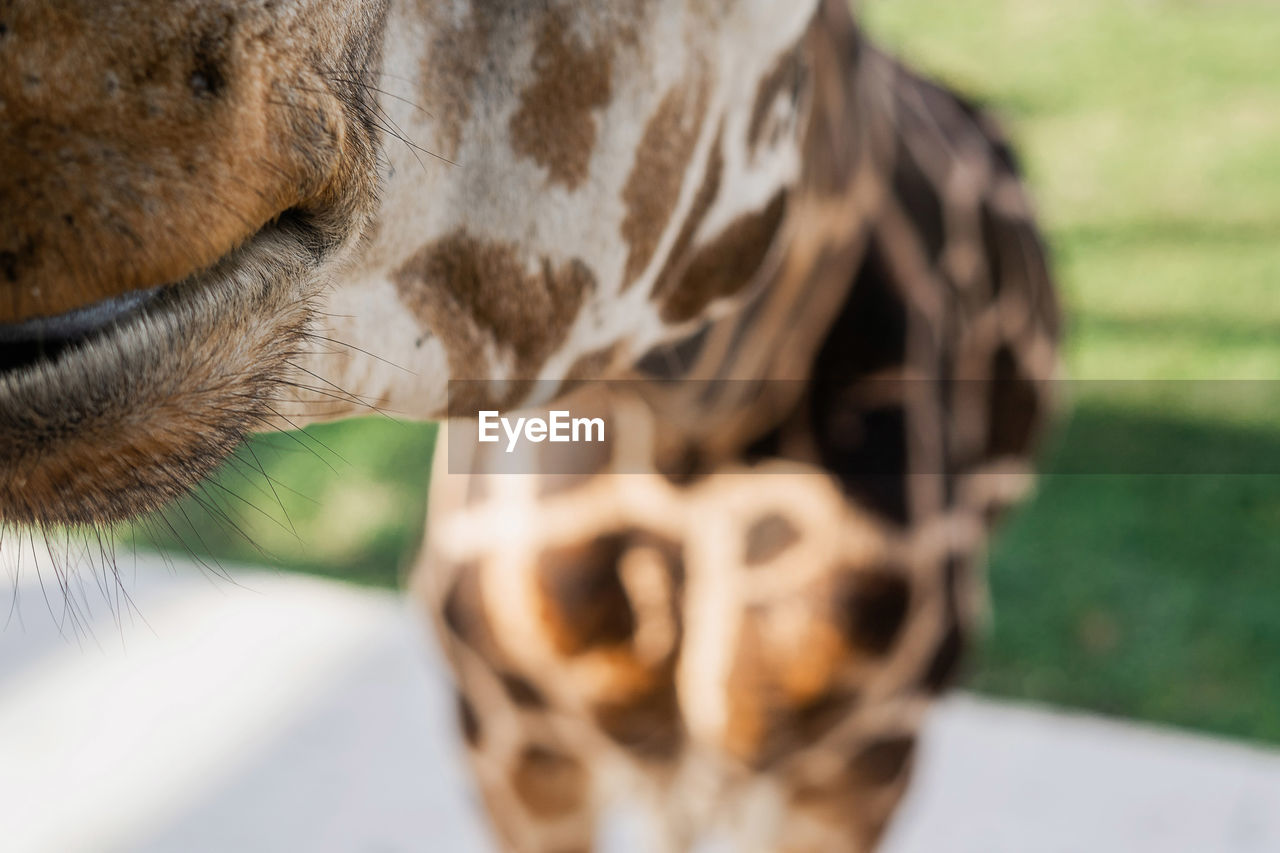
{"x":176,"y":176}
{"x":142,"y":142}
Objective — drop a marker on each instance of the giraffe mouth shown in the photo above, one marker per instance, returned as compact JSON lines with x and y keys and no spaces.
{"x":27,"y":344}
{"x":114,"y":409}
{"x":46,"y":338}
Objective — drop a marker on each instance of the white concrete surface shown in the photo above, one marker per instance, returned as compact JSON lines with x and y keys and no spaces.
{"x":281,"y":713}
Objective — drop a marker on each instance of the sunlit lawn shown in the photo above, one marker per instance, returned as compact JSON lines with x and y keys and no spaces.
{"x":1151,"y":132}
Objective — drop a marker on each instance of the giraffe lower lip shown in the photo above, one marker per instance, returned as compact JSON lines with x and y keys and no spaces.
{"x":46,"y":338}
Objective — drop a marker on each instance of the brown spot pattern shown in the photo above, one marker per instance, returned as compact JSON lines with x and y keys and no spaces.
{"x":522,"y":691}
{"x":469,"y":721}
{"x":584,"y":603}
{"x":465,"y":616}
{"x":817,"y":717}
{"x":449,"y":72}
{"x":727,"y":264}
{"x":768,"y":537}
{"x":475,"y":294}
{"x":549,"y":783}
{"x":649,"y":725}
{"x":871,"y":608}
{"x":636,"y":706}
{"x":554,"y":125}
{"x":883,"y":761}
{"x":657,"y":175}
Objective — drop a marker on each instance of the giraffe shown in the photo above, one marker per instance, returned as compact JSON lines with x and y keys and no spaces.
{"x":802,"y":284}
{"x":741,"y":607}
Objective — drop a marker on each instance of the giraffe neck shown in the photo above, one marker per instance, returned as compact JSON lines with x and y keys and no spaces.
{"x":584,"y":182}
{"x":749,"y":362}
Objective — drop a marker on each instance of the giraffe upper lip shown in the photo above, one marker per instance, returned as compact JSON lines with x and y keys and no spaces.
{"x":45,"y":338}
{"x":26,"y":343}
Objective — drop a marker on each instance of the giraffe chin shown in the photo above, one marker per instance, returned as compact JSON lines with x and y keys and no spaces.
{"x":123,"y":406}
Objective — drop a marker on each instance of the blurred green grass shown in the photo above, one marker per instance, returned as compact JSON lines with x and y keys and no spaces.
{"x":343,"y":500}
{"x":1150,"y":132}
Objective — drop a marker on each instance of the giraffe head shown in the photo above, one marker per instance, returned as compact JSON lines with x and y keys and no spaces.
{"x":221,"y":216}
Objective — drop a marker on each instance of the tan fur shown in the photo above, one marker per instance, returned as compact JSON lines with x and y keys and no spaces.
{"x":163,"y":136}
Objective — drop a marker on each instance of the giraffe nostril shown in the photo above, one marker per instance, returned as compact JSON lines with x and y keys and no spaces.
{"x":207,"y":78}
{"x":204,"y":85}
{"x":199,"y":83}
{"x":9,"y":267}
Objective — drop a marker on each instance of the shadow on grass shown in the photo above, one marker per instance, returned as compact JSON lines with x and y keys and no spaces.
{"x":1151,"y":595}
{"x":1172,"y":426}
